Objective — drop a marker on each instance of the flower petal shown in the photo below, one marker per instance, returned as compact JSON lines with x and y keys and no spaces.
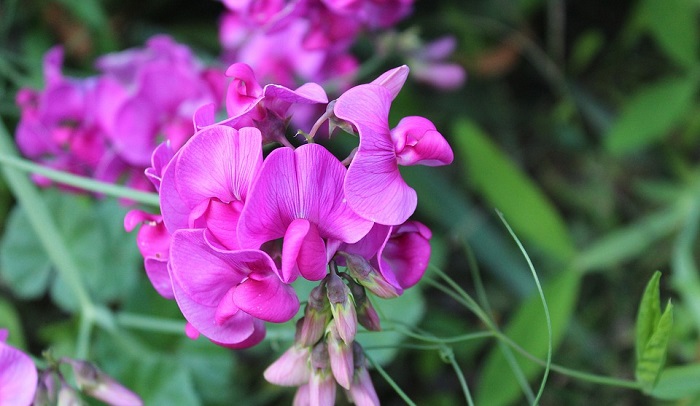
{"x":234,"y":330}
{"x":264,"y":296}
{"x":373,"y":186}
{"x":203,"y":274}
{"x":18,"y":376}
{"x":417,"y":141}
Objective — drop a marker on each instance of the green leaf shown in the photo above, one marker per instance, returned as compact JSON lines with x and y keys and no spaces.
{"x":9,"y":319}
{"x":677,"y":383}
{"x":528,"y":328}
{"x":507,"y":188}
{"x":673,"y":23}
{"x":650,"y":114}
{"x":106,"y":257}
{"x":654,"y":355}
{"x":648,"y":315}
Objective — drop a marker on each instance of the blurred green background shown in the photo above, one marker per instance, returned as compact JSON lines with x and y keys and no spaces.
{"x":579,"y":121}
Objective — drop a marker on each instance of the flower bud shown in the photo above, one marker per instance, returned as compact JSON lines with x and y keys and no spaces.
{"x":291,"y":369}
{"x":46,"y":389}
{"x":322,"y":384}
{"x":362,"y":391}
{"x":68,"y":396}
{"x":341,"y":359}
{"x":365,"y":274}
{"x":316,"y":316}
{"x":99,"y":385}
{"x":366,"y":314}
{"x":342,"y":308}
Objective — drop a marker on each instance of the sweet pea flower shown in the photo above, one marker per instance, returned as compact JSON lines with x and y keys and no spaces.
{"x":18,"y":375}
{"x":207,"y":182}
{"x":429,"y":66}
{"x":298,"y":196}
{"x":248,"y":104}
{"x":374,"y":187}
{"x":226,"y":295}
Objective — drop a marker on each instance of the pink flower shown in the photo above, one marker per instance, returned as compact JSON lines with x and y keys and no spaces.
{"x":153,"y":241}
{"x":374,"y":186}
{"x":207,"y":182}
{"x":298,"y":196}
{"x":249,"y":104}
{"x":224,"y":294}
{"x":18,"y":375}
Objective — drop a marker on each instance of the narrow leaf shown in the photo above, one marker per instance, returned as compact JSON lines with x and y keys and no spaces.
{"x":512,"y":192}
{"x":650,"y":114}
{"x":648,"y":315}
{"x":654,"y":354}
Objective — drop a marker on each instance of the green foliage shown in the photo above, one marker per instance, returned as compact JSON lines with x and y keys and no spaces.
{"x":106,"y":256}
{"x":676,"y":383}
{"x":650,"y":114}
{"x":653,"y":332}
{"x":509,"y":190}
{"x":673,"y":24}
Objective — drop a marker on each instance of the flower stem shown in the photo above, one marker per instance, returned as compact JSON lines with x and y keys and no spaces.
{"x":80,"y":182}
{"x":148,"y":323}
{"x":47,"y":232}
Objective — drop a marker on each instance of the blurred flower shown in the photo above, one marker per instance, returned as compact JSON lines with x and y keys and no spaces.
{"x":95,"y":383}
{"x":18,"y":375}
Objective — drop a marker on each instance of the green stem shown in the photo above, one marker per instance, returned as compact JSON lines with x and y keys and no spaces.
{"x":148,"y":323}
{"x":47,"y":232}
{"x":390,"y":381}
{"x":80,"y":182}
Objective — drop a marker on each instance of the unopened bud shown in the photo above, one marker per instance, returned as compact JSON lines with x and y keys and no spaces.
{"x":341,"y":358}
{"x":316,"y":316}
{"x":342,"y":308}
{"x":365,"y":274}
{"x":68,"y":396}
{"x":366,"y":314}
{"x":46,"y":389}
{"x":290,"y":369}
{"x":93,"y":382}
{"x":362,"y":391}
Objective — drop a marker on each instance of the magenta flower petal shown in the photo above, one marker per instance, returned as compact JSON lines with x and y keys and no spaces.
{"x":203,"y":274}
{"x":264,"y":296}
{"x":18,"y":376}
{"x":204,"y":116}
{"x":305,"y":183}
{"x":160,"y":159}
{"x":404,"y":258}
{"x":374,"y":186}
{"x":417,"y":141}
{"x":157,"y":272}
{"x":234,"y":330}
{"x":393,"y":80}
{"x":303,"y":252}
{"x":244,"y":91}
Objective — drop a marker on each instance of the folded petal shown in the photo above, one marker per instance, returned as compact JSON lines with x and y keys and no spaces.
{"x":405,"y":257}
{"x":264,"y":296}
{"x":157,"y":272}
{"x":303,"y":251}
{"x":417,"y":141}
{"x":393,"y":80}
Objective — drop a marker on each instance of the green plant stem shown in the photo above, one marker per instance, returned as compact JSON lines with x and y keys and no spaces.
{"x":149,"y":323}
{"x":52,"y":241}
{"x":544,"y":304}
{"x":80,"y":182}
{"x":390,"y":381}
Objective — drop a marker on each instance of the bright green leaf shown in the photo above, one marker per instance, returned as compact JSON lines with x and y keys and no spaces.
{"x":678,"y":382}
{"x":512,"y":192}
{"x":654,"y":355}
{"x":528,"y":328}
{"x":648,"y":314}
{"x":650,"y":114}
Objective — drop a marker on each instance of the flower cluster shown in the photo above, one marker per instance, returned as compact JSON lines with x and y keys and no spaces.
{"x":237,"y":228}
{"x":317,"y":35}
{"x":106,"y":126}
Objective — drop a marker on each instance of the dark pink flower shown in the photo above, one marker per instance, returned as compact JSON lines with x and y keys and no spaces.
{"x":224,"y":294}
{"x":374,"y":186}
{"x":298,"y":196}
{"x":153,"y":241}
